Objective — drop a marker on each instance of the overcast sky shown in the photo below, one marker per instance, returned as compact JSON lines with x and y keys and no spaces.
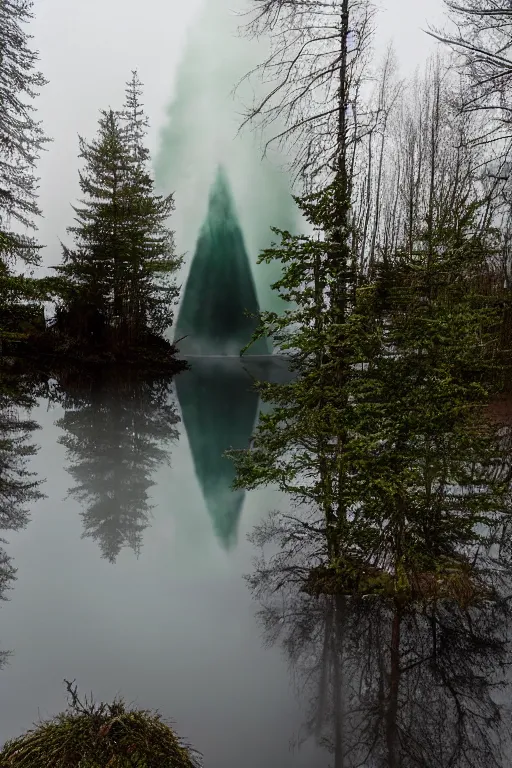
{"x":88,"y":49}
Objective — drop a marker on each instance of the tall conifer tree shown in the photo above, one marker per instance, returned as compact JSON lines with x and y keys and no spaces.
{"x":99,"y":243}
{"x":123,"y":262}
{"x":21,"y":137}
{"x":152,"y":291}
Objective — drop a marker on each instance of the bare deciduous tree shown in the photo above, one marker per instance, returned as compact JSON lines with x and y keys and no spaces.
{"x":432,"y":171}
{"x":316,"y":71}
{"x":482,"y":45}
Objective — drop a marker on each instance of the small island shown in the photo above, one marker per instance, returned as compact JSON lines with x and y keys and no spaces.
{"x":114,"y":291}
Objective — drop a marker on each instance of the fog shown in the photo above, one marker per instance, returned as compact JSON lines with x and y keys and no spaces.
{"x":87,"y":52}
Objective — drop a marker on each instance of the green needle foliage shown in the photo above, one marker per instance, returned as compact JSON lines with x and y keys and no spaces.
{"x":302,"y":444}
{"x":22,"y":140}
{"x":423,"y":451}
{"x":21,"y":136}
{"x":92,"y":735}
{"x":380,"y":439}
{"x":120,"y":274}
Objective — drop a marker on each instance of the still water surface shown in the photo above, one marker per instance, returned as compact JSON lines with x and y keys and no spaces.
{"x":171,"y":626}
{"x":130,"y":580}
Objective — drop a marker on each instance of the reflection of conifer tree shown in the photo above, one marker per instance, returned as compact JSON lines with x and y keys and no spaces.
{"x":392,"y":681}
{"x":500,"y":471}
{"x":392,"y":687}
{"x":116,"y":436}
{"x":7,"y":577}
{"x":18,"y":488}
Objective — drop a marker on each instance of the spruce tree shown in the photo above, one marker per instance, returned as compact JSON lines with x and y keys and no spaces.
{"x":431,"y":387}
{"x":303,"y":443}
{"x":21,"y":141}
{"x":122,"y":266}
{"x":21,"y":137}
{"x":151,"y":290}
{"x":389,"y":464}
{"x":92,"y":265}
{"x":136,"y":122}
{"x":380,"y":366}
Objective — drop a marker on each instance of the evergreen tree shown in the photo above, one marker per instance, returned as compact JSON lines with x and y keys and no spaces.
{"x":99,"y":243}
{"x":151,"y":291}
{"x":427,"y":389}
{"x":122,"y":266}
{"x":21,"y":141}
{"x":302,"y":443}
{"x":389,"y":460}
{"x":136,"y":122}
{"x":21,"y":137}
{"x":380,"y":365}
{"x":117,"y":432}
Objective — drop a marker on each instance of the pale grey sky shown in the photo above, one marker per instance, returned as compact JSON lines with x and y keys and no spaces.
{"x":88,"y":50}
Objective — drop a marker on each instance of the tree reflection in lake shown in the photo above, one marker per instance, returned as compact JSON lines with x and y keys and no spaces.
{"x":390,"y":686}
{"x":118,"y":430}
{"x":406,"y":680}
{"x":19,"y":488}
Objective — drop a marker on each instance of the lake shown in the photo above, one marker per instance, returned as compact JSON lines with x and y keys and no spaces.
{"x":130,"y":580}
{"x":171,"y":627}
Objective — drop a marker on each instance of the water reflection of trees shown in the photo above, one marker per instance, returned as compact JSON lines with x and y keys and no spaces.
{"x":389,"y":686}
{"x":19,"y":487}
{"x":395,"y":680}
{"x":117,"y":432}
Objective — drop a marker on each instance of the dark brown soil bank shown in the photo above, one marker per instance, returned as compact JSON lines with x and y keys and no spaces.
{"x":150,"y":353}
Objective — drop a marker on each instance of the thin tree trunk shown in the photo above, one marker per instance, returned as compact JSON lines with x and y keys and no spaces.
{"x":394,"y":687}
{"x":338,"y":682}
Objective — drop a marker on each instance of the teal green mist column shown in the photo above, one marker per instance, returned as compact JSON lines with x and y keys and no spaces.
{"x":220,"y":289}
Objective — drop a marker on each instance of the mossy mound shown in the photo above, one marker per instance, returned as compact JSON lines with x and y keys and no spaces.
{"x":97,"y":736}
{"x":451,"y":579}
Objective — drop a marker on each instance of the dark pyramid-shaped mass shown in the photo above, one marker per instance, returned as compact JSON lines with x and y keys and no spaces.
{"x":219,"y":407}
{"x":220,"y":288}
